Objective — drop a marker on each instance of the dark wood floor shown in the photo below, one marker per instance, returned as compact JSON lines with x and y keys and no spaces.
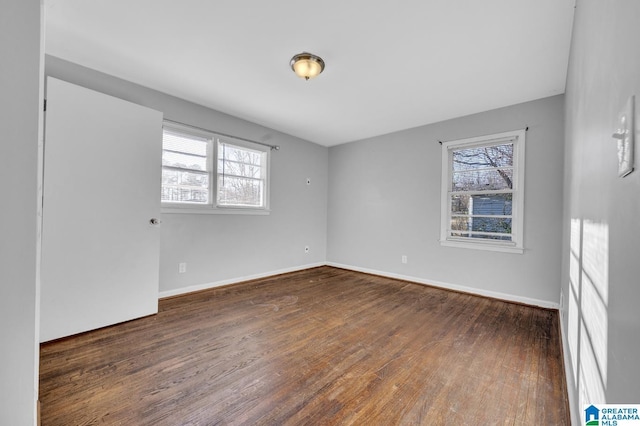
{"x":319,"y":347}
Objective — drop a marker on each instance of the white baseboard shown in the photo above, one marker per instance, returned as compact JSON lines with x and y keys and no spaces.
{"x":199,"y":287}
{"x":568,"y":373}
{"x":456,"y":287}
{"x":434,"y":283}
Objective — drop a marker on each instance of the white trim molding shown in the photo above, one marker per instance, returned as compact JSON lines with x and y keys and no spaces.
{"x":478,"y":239}
{"x":237,"y":280}
{"x":433,"y":283}
{"x":572,"y":395}
{"x":455,"y":287}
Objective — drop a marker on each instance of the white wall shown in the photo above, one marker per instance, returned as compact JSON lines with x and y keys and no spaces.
{"x":384,"y":202}
{"x":20,"y":105}
{"x":601,"y":268}
{"x":223,"y":248}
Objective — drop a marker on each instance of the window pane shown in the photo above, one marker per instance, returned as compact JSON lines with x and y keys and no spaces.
{"x":490,"y":204}
{"x":460,"y":223}
{"x":238,"y":191}
{"x":185,"y":161}
{"x":481,"y":224}
{"x":189,"y":144}
{"x":185,"y":194}
{"x":482,"y":180}
{"x":479,"y":175}
{"x":481,"y":157}
{"x":241,"y":176}
{"x":242,"y":155}
{"x":491,"y":224}
{"x":183,"y":178}
{"x":235,"y":168}
{"x":185,"y":151}
{"x":188,"y":168}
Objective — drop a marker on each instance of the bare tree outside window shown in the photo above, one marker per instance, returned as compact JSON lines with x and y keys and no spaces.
{"x":483,"y":192}
{"x":481,"y":201}
{"x":240,"y":176}
{"x":204,"y":171}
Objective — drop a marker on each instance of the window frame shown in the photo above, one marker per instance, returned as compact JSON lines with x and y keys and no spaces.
{"x":516,"y":245}
{"x":249,"y":147}
{"x":212,"y":207}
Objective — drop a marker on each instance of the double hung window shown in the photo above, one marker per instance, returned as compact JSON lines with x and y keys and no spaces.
{"x":483,"y":192}
{"x":186,"y":167}
{"x":241,"y":175}
{"x":211,"y":173}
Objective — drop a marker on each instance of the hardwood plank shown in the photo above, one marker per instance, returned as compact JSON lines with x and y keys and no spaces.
{"x":320,"y":346}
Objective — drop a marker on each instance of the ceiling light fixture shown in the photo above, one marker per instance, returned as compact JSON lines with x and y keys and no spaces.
{"x":306,"y":65}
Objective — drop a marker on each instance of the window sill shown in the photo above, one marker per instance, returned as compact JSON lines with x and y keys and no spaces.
{"x":213,"y":210}
{"x":482,"y":246}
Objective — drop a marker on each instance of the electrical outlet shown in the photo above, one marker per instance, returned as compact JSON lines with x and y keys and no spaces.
{"x":404,"y":258}
{"x":306,"y":249}
{"x":182,"y":267}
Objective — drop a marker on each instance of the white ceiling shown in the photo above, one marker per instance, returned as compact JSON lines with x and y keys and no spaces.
{"x":389,"y":65}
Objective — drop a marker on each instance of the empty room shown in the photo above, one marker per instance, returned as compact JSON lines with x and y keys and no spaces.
{"x":363,"y":213}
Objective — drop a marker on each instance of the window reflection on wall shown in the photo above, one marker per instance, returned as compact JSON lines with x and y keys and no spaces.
{"x":588,"y":308}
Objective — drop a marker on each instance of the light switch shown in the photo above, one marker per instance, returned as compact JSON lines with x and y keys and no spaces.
{"x":625,"y":138}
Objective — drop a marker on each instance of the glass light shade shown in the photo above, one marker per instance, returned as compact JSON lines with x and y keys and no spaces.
{"x":306,"y":65}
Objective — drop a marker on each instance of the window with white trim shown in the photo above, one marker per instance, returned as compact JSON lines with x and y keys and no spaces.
{"x":483,"y":192}
{"x":209,"y":173}
{"x":241,"y":175}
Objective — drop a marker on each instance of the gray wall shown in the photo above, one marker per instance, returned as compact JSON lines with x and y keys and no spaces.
{"x":384,"y":202}
{"x":220,"y":248}
{"x":20,"y":105}
{"x":601,"y":271}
